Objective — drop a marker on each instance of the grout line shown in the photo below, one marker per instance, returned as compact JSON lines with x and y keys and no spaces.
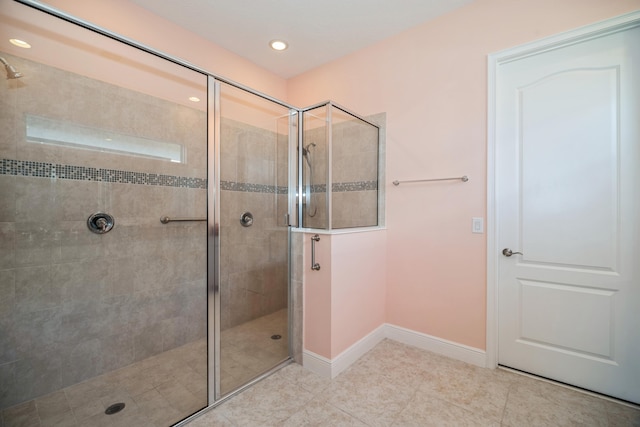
{"x":406,"y":405}
{"x":506,"y":402}
{"x":570,"y":387}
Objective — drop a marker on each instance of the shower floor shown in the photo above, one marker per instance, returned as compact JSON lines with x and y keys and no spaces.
{"x":161,"y":390}
{"x":247,"y":350}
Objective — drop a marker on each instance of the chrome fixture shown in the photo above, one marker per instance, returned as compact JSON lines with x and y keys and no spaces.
{"x":314,"y":264}
{"x":246,"y":219}
{"x":12,"y":73}
{"x":464,"y":178}
{"x":100,"y":223}
{"x":508,"y":252}
{"x":306,"y":153}
{"x":307,"y":150}
{"x":166,"y":219}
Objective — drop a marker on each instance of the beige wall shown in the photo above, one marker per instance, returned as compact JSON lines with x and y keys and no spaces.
{"x":254,"y":263}
{"x":254,"y":153}
{"x":432,"y":83}
{"x":355,"y":149}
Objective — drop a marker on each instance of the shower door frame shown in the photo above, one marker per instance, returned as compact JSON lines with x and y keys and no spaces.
{"x":213,"y":199}
{"x":214,"y":332}
{"x":213,"y":238}
{"x":329,"y":173}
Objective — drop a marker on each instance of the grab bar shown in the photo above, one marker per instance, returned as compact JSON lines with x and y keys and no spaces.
{"x":314,"y":264}
{"x":166,"y":219}
{"x":462,"y":178}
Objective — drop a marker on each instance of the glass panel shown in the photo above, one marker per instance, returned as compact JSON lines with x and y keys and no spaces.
{"x":89,"y":320}
{"x":352,"y":171}
{"x":354,"y":175}
{"x":254,"y":237}
{"x":314,"y":168}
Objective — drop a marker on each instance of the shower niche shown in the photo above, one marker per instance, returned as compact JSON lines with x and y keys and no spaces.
{"x":339,"y":164}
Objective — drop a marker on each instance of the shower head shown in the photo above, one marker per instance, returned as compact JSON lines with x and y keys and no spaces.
{"x":12,"y":73}
{"x":307,"y":149}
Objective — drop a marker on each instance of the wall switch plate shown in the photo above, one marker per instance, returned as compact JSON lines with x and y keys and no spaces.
{"x":477,"y":225}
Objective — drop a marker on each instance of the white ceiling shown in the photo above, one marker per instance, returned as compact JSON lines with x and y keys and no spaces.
{"x":317,"y":31}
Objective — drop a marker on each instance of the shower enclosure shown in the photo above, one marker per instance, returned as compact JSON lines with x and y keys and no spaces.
{"x":340,"y":169}
{"x":144,"y":229}
{"x":145,"y":224}
{"x":254,"y":151}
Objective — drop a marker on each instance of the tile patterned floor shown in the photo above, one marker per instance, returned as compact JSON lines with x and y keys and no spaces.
{"x":392,"y":385}
{"x":248,"y":350}
{"x":161,"y":390}
{"x":157,"y":391}
{"x":399,"y":385}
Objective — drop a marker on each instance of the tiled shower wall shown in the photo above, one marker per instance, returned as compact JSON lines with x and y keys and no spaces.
{"x":355,"y":174}
{"x":355,"y":164}
{"x":74,"y":304}
{"x":254,"y":260}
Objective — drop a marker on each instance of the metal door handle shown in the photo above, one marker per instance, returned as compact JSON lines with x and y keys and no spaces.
{"x":508,"y":252}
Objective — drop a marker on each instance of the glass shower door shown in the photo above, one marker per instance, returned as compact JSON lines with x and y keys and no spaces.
{"x":254,"y":153}
{"x":103,"y":313}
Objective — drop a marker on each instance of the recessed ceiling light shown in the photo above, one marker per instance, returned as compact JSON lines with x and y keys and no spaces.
{"x":194,"y":99}
{"x":278,"y":45}
{"x":20,"y":43}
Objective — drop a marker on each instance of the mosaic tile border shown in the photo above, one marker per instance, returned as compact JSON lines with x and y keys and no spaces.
{"x":83,"y":173}
{"x":341,"y":187}
{"x":252,"y":188}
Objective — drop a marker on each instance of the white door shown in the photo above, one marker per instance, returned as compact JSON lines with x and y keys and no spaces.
{"x":568,"y":198}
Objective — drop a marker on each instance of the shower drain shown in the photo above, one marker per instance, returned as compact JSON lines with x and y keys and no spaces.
{"x":276,"y":337}
{"x":114,"y":409}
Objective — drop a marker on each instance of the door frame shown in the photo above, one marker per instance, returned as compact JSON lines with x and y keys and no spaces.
{"x":494,"y":61}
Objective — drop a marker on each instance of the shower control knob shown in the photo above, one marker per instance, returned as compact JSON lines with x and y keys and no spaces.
{"x":246,"y":219}
{"x":100,"y":223}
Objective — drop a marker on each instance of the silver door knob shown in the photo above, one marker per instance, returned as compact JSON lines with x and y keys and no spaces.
{"x":508,"y":252}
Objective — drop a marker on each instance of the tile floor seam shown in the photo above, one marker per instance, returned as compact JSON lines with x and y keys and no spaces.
{"x":506,"y":402}
{"x":311,"y":399}
{"x":73,"y":415}
{"x":73,"y":410}
{"x":461,"y":407}
{"x":347,"y":412}
{"x":220,"y":414}
{"x":406,"y":405}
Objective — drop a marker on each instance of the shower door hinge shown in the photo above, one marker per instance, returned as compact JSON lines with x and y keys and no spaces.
{"x":286,"y":220}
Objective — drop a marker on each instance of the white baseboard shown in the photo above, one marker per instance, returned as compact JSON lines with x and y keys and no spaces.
{"x":471,"y":355}
{"x":316,"y":363}
{"x":331,"y":368}
{"x":356,"y":351}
